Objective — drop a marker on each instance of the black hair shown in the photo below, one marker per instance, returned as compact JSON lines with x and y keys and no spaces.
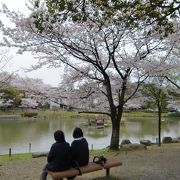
{"x":59,"y":136}
{"x":77,"y":133}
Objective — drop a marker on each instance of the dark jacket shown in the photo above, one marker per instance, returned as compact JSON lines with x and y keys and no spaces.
{"x":80,"y":151}
{"x":59,"y":157}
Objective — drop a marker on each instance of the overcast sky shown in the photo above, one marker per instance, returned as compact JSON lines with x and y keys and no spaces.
{"x":19,"y":62}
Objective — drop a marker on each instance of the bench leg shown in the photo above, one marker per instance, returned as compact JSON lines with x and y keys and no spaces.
{"x":107,"y":172}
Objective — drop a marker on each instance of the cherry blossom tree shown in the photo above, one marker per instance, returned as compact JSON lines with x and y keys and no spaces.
{"x":174,"y":77}
{"x":156,"y":89}
{"x":4,"y":61}
{"x":34,"y":90}
{"x":11,"y":97}
{"x":28,"y":103}
{"x":174,"y":82}
{"x":107,"y":43}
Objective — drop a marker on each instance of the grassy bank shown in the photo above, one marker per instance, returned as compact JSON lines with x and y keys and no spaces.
{"x":75,"y":114}
{"x":15,"y":156}
{"x":21,"y":156}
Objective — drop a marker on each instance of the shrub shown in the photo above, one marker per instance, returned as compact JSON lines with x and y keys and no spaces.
{"x":29,"y":114}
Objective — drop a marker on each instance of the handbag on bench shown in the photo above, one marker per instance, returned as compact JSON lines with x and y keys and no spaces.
{"x":99,"y":160}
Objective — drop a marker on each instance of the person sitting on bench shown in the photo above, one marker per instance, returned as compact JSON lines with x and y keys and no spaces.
{"x":59,"y":157}
{"x":79,"y":147}
{"x":80,"y":150}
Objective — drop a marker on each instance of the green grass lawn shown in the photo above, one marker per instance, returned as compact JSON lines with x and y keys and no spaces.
{"x":15,"y":156}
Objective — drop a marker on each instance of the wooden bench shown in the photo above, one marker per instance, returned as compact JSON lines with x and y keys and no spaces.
{"x":91,"y":167}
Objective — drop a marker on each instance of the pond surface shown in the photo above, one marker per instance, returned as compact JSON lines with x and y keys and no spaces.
{"x":35,"y":135}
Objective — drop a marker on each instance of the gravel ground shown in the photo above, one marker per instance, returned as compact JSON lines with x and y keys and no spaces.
{"x":155,"y":163}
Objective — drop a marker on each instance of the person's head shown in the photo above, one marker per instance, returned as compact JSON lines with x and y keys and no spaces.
{"x":59,"y":136}
{"x":77,"y":133}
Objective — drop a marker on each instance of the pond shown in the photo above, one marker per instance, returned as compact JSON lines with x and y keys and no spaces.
{"x":36,"y":135}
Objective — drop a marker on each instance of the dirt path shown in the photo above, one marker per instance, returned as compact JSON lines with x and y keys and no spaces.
{"x":155,"y":163}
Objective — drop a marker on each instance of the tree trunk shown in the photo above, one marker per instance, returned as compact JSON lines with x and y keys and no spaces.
{"x":116,"y":119}
{"x":159,"y":125}
{"x":115,"y":136}
{"x":116,"y":112}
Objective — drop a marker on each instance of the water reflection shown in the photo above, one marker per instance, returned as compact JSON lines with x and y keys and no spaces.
{"x":18,"y":134}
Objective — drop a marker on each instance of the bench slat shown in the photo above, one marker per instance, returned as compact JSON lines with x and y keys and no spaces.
{"x":63,"y":174}
{"x":91,"y":167}
{"x":112,"y":163}
{"x":74,"y":172}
